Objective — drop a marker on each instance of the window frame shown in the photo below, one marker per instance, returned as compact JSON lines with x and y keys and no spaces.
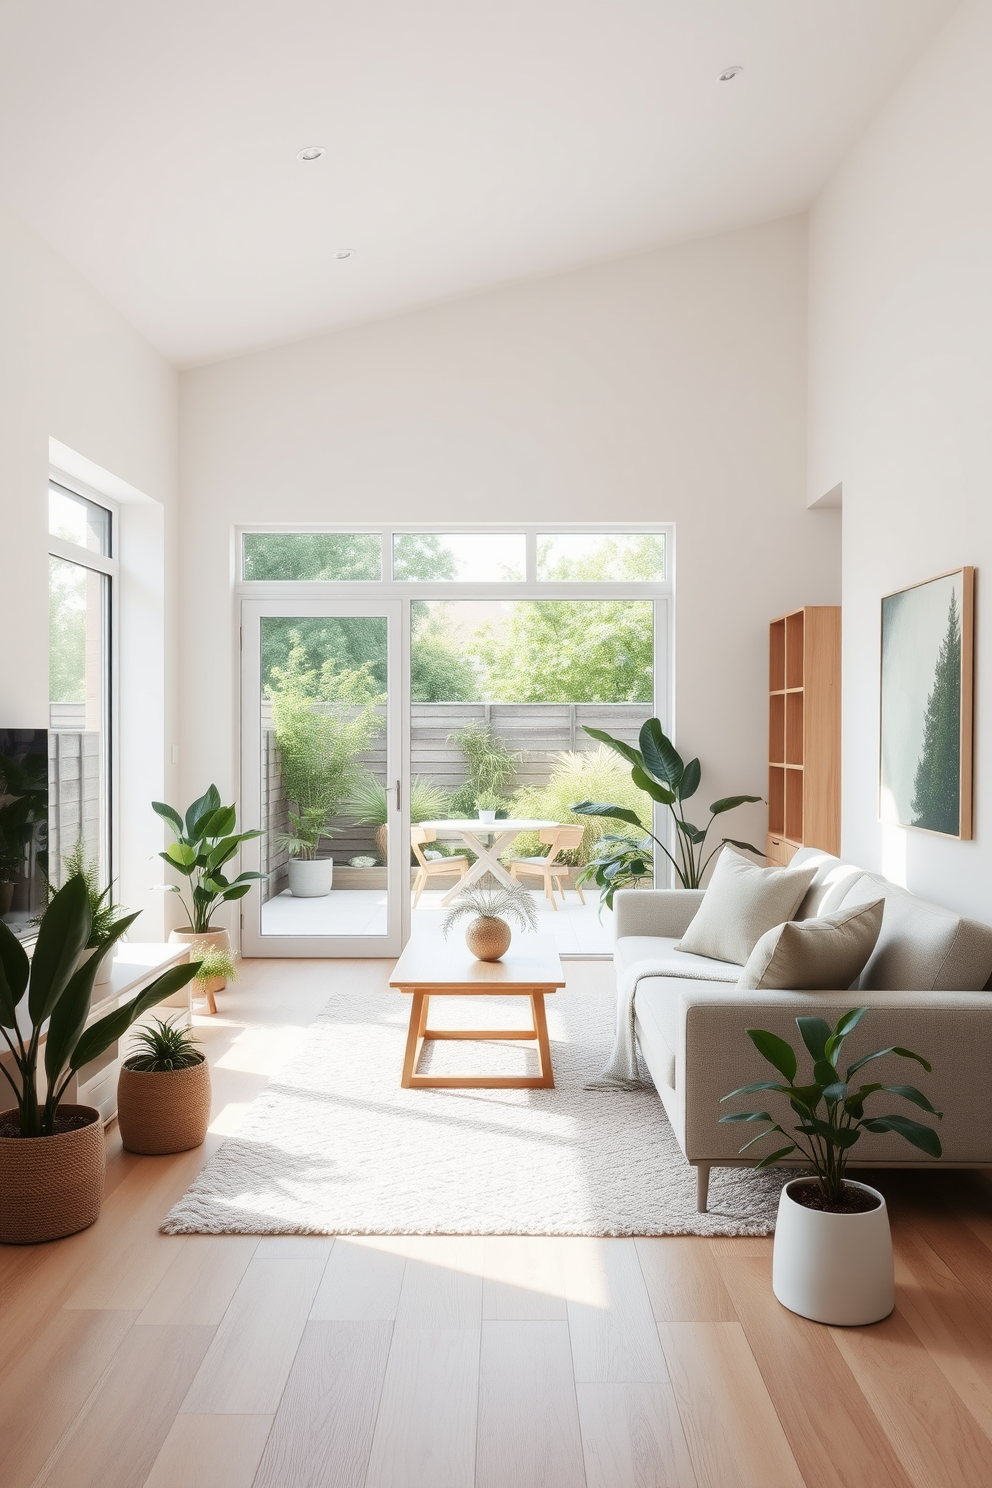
{"x":108,"y":565}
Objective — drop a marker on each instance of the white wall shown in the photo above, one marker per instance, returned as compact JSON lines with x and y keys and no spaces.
{"x":669,"y":386}
{"x":73,"y":371}
{"x":900,"y":400}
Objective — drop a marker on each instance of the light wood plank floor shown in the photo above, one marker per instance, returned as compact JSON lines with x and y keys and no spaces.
{"x":129,"y":1358}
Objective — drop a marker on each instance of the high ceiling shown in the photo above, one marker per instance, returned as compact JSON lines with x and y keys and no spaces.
{"x":469,"y":143}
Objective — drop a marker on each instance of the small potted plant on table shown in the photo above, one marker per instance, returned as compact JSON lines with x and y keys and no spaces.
{"x":205,"y":842}
{"x":163,"y":1093}
{"x":488,"y":936}
{"x":52,"y":1157}
{"x":833,"y":1251}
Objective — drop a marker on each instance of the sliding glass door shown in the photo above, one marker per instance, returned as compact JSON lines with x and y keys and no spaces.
{"x":321,"y":751}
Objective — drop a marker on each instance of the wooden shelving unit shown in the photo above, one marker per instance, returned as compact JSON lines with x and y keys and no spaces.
{"x":804,"y":732}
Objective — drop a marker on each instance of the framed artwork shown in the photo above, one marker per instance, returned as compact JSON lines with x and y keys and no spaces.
{"x":925,"y":778}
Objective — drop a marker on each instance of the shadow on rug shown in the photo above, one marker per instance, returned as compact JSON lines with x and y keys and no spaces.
{"x":334,"y":1146}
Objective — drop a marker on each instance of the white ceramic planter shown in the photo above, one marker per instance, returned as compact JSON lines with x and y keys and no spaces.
{"x":833,"y":1268}
{"x":103,"y":975}
{"x":487,"y":816}
{"x":310,"y":878}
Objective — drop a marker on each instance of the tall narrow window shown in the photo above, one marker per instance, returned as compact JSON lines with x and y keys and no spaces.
{"x":81,"y":573}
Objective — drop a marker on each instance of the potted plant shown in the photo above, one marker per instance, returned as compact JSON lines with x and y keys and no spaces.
{"x":659,"y":771}
{"x":488,"y":936}
{"x":163,"y":1093}
{"x":52,"y":1157}
{"x":833,"y":1251}
{"x":323,"y":721}
{"x":369,"y":806}
{"x":205,"y":841}
{"x":491,"y":767}
{"x":104,"y":913}
{"x":217,"y":968}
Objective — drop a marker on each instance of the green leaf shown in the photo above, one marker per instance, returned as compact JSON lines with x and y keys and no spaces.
{"x":773,"y":1157}
{"x":747,"y":1116}
{"x":850,"y":1021}
{"x":659,"y":753}
{"x":775,"y":1050}
{"x":169,"y":814}
{"x":815,"y":1032}
{"x":99,"y":1036}
{"x":923,"y":1137}
{"x":807,"y":1096}
{"x":730,"y":803}
{"x":910,"y":1093}
{"x":236,"y":891}
{"x":824,"y":1072}
{"x":744,"y":846}
{"x":760,"y":1085}
{"x":881,"y":1053}
{"x":631,"y":755}
{"x":689,"y":784}
{"x":834,"y":1094}
{"x":180,"y":854}
{"x":72,"y":1009}
{"x":659,"y":793}
{"x":601,"y":808}
{"x":15,"y":969}
{"x":219,"y":824}
{"x":64,"y":931}
{"x":201,"y":810}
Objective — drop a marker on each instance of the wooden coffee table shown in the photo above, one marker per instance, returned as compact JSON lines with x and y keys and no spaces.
{"x":433,"y":967}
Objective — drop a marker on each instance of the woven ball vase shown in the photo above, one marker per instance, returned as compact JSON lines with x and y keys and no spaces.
{"x":51,"y":1186}
{"x":161,"y":1111}
{"x":488,"y":938}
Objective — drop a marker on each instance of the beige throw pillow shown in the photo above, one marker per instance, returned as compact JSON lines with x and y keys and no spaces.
{"x":740,"y":904}
{"x":826,"y":954}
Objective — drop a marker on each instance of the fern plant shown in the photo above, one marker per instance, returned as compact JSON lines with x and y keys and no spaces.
{"x":217,"y":963}
{"x":493,"y":901}
{"x":165,"y":1047}
{"x":104,"y":913}
{"x":491,"y":767}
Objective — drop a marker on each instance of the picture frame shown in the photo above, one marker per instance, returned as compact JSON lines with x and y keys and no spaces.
{"x":927,"y":705}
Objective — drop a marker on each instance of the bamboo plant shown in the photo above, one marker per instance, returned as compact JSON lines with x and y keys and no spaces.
{"x":58,"y":992}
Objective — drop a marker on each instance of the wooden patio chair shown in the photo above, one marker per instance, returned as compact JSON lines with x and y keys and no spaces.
{"x":557,"y":840}
{"x":432,"y":867}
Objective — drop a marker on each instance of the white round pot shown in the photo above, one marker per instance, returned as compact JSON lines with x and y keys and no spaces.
{"x":833,"y":1268}
{"x":103,"y":975}
{"x":487,"y":816}
{"x":310,"y":878}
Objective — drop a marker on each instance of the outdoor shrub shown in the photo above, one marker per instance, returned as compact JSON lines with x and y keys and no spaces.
{"x":595,"y":774}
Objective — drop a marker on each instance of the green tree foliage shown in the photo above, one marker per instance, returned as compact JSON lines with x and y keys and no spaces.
{"x":312,"y":556}
{"x":937,"y":785}
{"x":594,"y":774}
{"x":323,"y":717}
{"x":440,"y":669}
{"x":569,"y":651}
{"x":491,"y":766}
{"x":66,"y":632}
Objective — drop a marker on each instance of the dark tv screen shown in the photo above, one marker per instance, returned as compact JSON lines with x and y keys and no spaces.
{"x":23,"y":828}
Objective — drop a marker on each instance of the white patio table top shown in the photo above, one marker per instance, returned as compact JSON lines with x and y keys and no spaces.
{"x":500,"y":832}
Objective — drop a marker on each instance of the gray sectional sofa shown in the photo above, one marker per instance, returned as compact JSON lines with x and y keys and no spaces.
{"x":924,"y":984}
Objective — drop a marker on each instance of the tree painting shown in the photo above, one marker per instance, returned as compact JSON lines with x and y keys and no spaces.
{"x":937,"y":786}
{"x":926,"y":705}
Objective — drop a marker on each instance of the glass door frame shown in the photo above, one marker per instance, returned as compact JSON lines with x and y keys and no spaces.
{"x":253,"y":611}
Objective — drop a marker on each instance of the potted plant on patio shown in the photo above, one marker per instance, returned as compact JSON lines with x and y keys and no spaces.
{"x":52,"y":1156}
{"x":488,"y":936}
{"x":659,"y":771}
{"x":833,"y":1251}
{"x":369,"y":805}
{"x":205,"y":842}
{"x":163,"y":1092}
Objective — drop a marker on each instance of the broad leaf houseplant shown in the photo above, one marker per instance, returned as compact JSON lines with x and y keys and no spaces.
{"x":52,"y":1156}
{"x":833,"y":1251}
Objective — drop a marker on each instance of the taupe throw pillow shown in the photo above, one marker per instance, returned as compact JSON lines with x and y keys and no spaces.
{"x":825,"y":954}
{"x":740,"y":904}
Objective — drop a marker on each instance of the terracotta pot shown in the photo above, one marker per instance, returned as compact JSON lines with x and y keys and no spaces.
{"x":310,"y":878}
{"x":51,"y":1186}
{"x":488,"y":938}
{"x":163,"y":1110}
{"x":833,"y":1268}
{"x":200,"y":942}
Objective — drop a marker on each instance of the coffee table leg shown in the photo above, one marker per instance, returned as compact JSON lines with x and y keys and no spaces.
{"x":419,"y":1006}
{"x":543,"y":1045}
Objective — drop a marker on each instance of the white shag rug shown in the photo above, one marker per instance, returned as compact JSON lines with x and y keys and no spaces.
{"x":333,"y":1145}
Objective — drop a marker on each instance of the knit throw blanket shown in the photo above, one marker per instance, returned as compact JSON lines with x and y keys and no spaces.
{"x":622,"y":1071}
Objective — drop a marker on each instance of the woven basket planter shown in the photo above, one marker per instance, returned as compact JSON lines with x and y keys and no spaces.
{"x":161,"y":1111}
{"x":51,"y":1186}
{"x":488,"y":938}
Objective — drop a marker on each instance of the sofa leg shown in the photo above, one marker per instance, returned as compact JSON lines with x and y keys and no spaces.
{"x":702,"y":1186}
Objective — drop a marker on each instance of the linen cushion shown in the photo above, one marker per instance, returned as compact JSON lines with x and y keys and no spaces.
{"x":740,"y":904}
{"x":827,"y":953}
{"x":923,"y":947}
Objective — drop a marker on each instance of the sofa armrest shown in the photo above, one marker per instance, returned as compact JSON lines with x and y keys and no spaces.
{"x":953,"y":1030}
{"x":655,"y":911}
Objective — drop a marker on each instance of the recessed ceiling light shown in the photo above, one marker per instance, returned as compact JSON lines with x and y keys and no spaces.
{"x":310,"y":152}
{"x":343,"y":252}
{"x":730,"y":72}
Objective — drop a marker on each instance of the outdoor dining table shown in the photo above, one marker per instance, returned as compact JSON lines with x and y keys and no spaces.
{"x":500,"y":833}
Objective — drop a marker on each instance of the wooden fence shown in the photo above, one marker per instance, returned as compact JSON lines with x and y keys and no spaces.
{"x":536,"y":732}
